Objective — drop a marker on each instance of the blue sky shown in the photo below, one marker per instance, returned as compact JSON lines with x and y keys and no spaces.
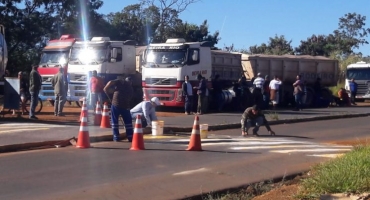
{"x":245,"y":22}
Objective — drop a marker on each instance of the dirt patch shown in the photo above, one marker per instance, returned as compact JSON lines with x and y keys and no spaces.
{"x":285,"y":192}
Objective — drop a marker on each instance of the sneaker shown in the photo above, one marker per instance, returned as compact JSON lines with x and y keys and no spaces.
{"x":186,"y":113}
{"x":61,"y":115}
{"x":255,"y":134}
{"x":33,"y":117}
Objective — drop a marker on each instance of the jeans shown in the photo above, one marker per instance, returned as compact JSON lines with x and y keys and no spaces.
{"x":200,"y":108}
{"x":266,"y":100}
{"x":220,"y":101}
{"x":126,"y":115}
{"x":353,"y":97}
{"x":188,"y":103}
{"x":95,"y":97}
{"x":60,"y":100}
{"x":298,"y":101}
{"x":34,"y":102}
{"x":250,"y":122}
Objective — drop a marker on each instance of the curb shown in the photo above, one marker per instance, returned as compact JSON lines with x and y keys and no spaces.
{"x":171,"y":130}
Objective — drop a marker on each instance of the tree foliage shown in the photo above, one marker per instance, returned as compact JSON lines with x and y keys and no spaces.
{"x":277,"y":45}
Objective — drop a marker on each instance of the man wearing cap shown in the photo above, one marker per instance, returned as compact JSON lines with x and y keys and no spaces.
{"x":254,"y":116}
{"x":59,"y":84}
{"x":147,"y":110}
{"x":122,"y":95}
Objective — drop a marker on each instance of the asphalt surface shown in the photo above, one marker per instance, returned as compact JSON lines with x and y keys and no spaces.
{"x":166,"y":171}
{"x":19,"y":135}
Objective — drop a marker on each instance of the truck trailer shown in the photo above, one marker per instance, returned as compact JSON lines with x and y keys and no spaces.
{"x":287,"y":67}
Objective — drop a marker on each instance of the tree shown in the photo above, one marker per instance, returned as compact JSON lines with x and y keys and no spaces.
{"x":30,"y":24}
{"x":276,"y":46}
{"x":351,"y":28}
{"x":169,"y":11}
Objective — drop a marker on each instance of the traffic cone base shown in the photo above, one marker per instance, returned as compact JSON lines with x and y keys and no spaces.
{"x":195,"y":143}
{"x":98,"y":114}
{"x":105,"y":121}
{"x":138,"y":138}
{"x":83,"y":140}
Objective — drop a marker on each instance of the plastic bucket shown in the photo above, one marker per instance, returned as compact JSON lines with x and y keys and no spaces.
{"x":157,"y":127}
{"x":203,"y":131}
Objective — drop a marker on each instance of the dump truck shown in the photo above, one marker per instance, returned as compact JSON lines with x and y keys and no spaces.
{"x":165,"y":65}
{"x":3,"y":57}
{"x":287,"y":67}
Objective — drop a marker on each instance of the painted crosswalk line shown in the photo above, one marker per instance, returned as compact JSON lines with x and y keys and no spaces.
{"x":272,"y":145}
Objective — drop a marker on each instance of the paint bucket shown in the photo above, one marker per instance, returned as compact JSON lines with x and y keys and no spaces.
{"x":157,"y":127}
{"x":203,"y":131}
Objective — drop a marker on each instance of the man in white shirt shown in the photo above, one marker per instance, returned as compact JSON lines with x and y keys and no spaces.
{"x":147,"y":110}
{"x":258,"y":82}
{"x":274,"y":91}
{"x":187,"y":90}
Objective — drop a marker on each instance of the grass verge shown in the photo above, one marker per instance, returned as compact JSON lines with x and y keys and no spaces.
{"x":347,"y":174}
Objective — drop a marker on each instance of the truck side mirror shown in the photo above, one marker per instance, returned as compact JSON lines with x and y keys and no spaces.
{"x":113,"y":57}
{"x":194,"y":57}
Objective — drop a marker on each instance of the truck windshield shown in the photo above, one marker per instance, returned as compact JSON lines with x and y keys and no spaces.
{"x":165,"y":58}
{"x":358,"y":74}
{"x":53,"y":57}
{"x":88,"y":55}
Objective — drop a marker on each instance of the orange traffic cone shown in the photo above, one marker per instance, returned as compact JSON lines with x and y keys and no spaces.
{"x":138,"y":138}
{"x":97,"y":117}
{"x":195,"y":142}
{"x":83,"y":140}
{"x":105,"y":121}
{"x":83,"y":110}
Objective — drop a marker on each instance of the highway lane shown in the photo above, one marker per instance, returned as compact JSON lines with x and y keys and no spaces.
{"x":166,"y":171}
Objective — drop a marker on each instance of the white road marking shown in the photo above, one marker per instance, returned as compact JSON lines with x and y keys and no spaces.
{"x":191,"y":172}
{"x":20,"y":130}
{"x":308,"y":150}
{"x":327,"y":155}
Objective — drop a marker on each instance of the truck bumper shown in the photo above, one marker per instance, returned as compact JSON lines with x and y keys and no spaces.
{"x":167,"y":97}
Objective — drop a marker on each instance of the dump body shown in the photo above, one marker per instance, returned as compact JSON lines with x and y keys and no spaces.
{"x":287,"y":67}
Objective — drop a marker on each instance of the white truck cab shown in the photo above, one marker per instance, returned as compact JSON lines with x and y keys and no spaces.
{"x":360,"y":72}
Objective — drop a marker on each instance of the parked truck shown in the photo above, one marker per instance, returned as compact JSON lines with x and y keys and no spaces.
{"x":166,"y":64}
{"x":287,"y":67}
{"x":55,"y":55}
{"x":111,"y":60}
{"x":360,"y":72}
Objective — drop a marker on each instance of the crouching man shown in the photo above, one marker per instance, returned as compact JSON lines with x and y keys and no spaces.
{"x":254,"y":116}
{"x":147,"y":110}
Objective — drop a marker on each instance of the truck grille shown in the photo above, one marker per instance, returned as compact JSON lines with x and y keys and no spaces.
{"x":163,"y":95}
{"x":161,"y":81}
{"x":46,"y":78}
{"x":362,"y":89}
{"x":78,"y":77}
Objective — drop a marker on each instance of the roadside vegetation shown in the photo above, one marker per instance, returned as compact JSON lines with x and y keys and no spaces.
{"x":348,"y":174}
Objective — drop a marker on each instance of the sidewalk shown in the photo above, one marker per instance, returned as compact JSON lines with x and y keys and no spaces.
{"x":14,"y":141}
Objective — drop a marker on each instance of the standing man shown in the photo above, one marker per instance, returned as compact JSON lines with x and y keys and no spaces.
{"x":59,"y":84}
{"x":35,"y":87}
{"x":353,"y":90}
{"x":298,"y":93}
{"x":217,"y":92}
{"x":122,"y":94}
{"x":266,"y":93}
{"x":96,"y":88}
{"x":274,"y":91}
{"x":147,"y":110}
{"x":187,"y":90}
{"x":201,"y":91}
{"x":258,"y":90}
{"x":254,"y":116}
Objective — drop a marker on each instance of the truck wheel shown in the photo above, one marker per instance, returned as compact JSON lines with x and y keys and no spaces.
{"x":308,"y":98}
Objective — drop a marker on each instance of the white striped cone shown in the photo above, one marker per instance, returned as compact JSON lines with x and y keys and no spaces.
{"x":98,"y":109}
{"x":98,"y":114}
{"x":105,"y":121}
{"x":84,"y":109}
{"x":83,"y":140}
{"x":138,"y":127}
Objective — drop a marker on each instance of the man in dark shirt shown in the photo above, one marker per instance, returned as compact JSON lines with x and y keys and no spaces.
{"x":34,"y":88}
{"x":201,"y":91}
{"x":253,"y":115}
{"x":122,"y":94}
{"x":353,"y":90}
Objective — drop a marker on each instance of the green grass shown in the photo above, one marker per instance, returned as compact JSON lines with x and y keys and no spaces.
{"x":347,"y":174}
{"x":334,"y":90}
{"x":273,"y":115}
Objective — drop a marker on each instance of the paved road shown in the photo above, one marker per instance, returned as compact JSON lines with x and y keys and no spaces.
{"x":12,"y":133}
{"x":166,"y":171}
